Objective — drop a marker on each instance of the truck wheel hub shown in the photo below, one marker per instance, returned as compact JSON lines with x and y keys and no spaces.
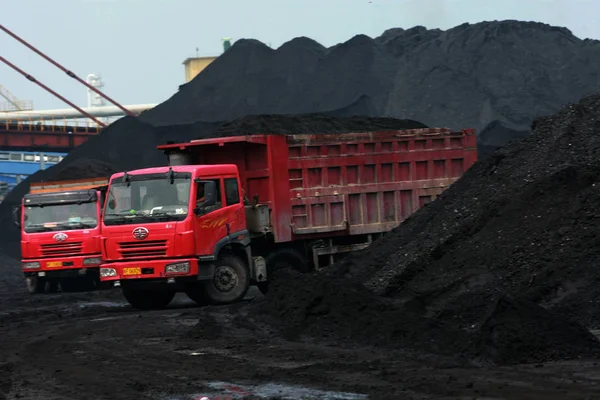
{"x":225,"y":279}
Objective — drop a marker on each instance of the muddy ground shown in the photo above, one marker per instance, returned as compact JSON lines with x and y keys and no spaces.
{"x":94,"y":346}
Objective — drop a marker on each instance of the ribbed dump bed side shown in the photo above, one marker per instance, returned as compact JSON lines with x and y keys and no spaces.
{"x":370,"y":182}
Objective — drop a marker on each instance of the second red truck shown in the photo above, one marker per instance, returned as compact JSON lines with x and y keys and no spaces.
{"x":227,"y":212}
{"x":60,"y":235}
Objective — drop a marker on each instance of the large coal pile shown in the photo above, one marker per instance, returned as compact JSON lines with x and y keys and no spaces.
{"x":344,"y":313}
{"x":523,"y":224}
{"x":467,"y":76}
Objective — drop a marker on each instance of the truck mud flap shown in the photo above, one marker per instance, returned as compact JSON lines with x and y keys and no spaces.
{"x":206,"y":270}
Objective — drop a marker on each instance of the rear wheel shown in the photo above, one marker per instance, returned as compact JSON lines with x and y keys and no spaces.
{"x":230,"y":282}
{"x":284,"y":258}
{"x":35,"y":285}
{"x":148,"y":299}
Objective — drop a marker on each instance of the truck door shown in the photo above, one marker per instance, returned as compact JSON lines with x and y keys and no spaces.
{"x":209,"y":221}
{"x":233,"y":201}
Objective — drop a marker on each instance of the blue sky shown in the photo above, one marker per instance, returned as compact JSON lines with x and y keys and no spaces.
{"x":138,"y":46}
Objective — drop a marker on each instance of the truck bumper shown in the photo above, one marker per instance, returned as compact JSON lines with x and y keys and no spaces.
{"x":63,"y":267}
{"x":164,"y":270}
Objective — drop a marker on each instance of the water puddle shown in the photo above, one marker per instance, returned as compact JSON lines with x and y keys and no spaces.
{"x":229,"y":391}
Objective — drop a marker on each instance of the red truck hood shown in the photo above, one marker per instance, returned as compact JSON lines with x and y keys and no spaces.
{"x":143,"y":241}
{"x":61,"y":243}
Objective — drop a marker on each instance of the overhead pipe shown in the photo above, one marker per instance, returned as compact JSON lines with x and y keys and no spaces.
{"x":32,"y":79}
{"x":69,"y":73}
{"x":67,"y":113}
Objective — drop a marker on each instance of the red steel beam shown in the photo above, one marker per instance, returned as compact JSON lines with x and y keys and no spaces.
{"x":69,"y":73}
{"x":48,"y":141}
{"x":32,"y":79}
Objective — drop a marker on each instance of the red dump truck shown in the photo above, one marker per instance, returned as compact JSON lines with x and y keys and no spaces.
{"x":60,"y":234}
{"x":228,"y":211}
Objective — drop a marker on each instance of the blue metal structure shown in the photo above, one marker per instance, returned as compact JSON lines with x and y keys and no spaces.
{"x":18,"y":165}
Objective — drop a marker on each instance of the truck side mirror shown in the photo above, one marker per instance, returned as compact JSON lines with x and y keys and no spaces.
{"x":16,"y":212}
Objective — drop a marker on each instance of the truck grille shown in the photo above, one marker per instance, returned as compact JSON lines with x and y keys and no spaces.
{"x":62,"y":249}
{"x":149,"y":248}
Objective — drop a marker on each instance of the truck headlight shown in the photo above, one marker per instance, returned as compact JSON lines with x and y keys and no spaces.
{"x":177,"y":268}
{"x":92,"y":261}
{"x":31,"y":265}
{"x":108,"y":272}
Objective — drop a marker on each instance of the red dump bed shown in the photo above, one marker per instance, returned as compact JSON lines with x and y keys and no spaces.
{"x":353,"y":183}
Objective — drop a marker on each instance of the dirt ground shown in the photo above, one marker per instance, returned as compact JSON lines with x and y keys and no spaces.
{"x":93,"y":345}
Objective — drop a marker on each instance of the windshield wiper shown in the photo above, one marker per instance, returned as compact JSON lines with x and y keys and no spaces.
{"x":115,"y":218}
{"x":125,"y":218}
{"x":160,"y":214}
{"x":71,"y":225}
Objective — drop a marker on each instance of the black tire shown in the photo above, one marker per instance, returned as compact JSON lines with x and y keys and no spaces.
{"x":197,"y":295}
{"x":148,"y":299}
{"x":35,"y":285}
{"x":230,"y":282}
{"x":283,"y":258}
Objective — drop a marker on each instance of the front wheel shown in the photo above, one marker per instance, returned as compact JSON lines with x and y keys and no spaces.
{"x":230,"y":282}
{"x":148,"y":299}
{"x":35,"y":285}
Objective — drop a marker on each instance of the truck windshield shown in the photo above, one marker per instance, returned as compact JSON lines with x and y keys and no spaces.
{"x":147,"y":200}
{"x":60,"y":217}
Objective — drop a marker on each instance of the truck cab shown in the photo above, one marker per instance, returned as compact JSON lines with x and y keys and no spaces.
{"x":60,"y":235}
{"x":174,"y":229}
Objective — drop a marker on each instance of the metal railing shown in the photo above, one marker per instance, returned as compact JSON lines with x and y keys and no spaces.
{"x":16,"y":105}
{"x":51,"y":125}
{"x":12,"y":102}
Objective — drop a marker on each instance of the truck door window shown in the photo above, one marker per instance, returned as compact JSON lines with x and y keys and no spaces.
{"x":200,"y":198}
{"x":232,"y":194}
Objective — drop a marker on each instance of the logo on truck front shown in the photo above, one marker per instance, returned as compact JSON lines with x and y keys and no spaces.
{"x":60,"y":237}
{"x":140,"y":233}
